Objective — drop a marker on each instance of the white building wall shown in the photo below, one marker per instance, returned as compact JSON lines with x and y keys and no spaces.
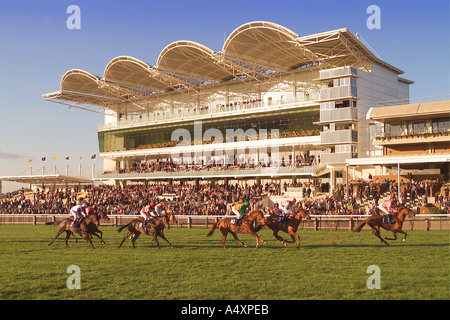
{"x":381,"y":84}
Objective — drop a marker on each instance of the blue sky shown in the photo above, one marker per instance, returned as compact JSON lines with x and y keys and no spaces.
{"x":37,"y":48}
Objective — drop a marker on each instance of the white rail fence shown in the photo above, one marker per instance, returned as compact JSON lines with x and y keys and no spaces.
{"x":426,"y":222}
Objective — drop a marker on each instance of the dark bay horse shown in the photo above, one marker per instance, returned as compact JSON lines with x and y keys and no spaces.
{"x":376,"y":223}
{"x":88,"y":225}
{"x":92,"y":227}
{"x":155,"y":228}
{"x":246,"y":226}
{"x":290,"y":226}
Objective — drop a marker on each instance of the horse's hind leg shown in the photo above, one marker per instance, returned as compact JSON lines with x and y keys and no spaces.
{"x":376,"y":232}
{"x":224,"y":237}
{"x":135,"y":236}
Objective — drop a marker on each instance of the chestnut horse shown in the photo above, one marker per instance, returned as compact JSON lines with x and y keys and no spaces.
{"x":246,"y":226}
{"x":155,"y":229}
{"x":289,"y":226}
{"x":376,"y":222}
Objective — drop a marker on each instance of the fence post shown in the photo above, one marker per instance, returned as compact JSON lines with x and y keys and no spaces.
{"x":189,"y":222}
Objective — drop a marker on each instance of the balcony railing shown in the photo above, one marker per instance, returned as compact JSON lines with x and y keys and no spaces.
{"x":331,"y":158}
{"x":338,"y":136}
{"x":264,"y":171}
{"x":337,"y":72}
{"x":337,"y":92}
{"x":398,"y":102}
{"x":195,"y":113}
{"x":338,"y":114}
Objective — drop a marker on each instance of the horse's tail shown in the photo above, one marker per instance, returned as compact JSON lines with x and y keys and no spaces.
{"x":54,"y":223}
{"x":123,"y":227}
{"x":211,"y":232}
{"x":360,"y":226}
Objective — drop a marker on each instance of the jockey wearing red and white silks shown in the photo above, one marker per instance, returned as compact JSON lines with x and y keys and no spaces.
{"x":287,"y":206}
{"x":387,"y":207}
{"x":146,"y":211}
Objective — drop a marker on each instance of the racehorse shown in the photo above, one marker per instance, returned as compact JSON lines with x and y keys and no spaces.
{"x":88,"y":225}
{"x":246,"y":226}
{"x":376,"y":222}
{"x":92,"y":228}
{"x":155,"y":228}
{"x":289,"y":226}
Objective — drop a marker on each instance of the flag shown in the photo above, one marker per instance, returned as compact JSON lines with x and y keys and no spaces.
{"x":55,"y":158}
{"x":81,"y":158}
{"x":44,"y":158}
{"x":93,"y":157}
{"x":31,"y":160}
{"x":67,"y":158}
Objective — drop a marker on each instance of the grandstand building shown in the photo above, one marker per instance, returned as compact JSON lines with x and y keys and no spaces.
{"x":270,"y":105}
{"x":414,"y":141}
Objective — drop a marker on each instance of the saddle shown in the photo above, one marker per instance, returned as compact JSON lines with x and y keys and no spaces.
{"x":76,"y":223}
{"x":388,"y":219}
{"x":236,"y":222}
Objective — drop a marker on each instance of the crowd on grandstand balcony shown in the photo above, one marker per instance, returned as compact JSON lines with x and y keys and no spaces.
{"x":144,"y":166}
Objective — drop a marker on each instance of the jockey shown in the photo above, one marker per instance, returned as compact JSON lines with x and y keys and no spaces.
{"x":387,"y":207}
{"x":78,"y":212}
{"x":239,"y":209}
{"x":158,"y":212}
{"x":146,"y":212}
{"x":286,"y":208}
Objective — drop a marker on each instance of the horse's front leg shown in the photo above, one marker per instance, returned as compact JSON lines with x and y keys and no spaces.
{"x":401,"y":231}
{"x":395,"y":236}
{"x":239,"y":241}
{"x":258,"y":238}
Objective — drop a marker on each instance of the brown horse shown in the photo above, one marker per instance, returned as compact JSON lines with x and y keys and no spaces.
{"x":290,"y":226}
{"x":246,"y":226}
{"x":376,"y":222}
{"x":92,"y":228}
{"x":86,"y":228}
{"x":155,"y":228}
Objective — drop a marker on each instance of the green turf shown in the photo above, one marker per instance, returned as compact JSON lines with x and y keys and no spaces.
{"x":329,"y":265}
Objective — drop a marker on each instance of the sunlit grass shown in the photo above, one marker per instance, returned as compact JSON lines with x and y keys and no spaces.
{"x":328,"y":265}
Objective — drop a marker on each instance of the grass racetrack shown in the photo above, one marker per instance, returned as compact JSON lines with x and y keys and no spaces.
{"x":328,"y":265}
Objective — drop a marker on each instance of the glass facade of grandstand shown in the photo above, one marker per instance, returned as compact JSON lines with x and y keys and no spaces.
{"x":289,"y":123}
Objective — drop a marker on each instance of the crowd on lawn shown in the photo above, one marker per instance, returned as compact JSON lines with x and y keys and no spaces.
{"x":216,"y":199}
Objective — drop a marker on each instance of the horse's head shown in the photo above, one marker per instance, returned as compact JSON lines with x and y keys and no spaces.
{"x":94,"y":219}
{"x":171,"y":216}
{"x":304,"y":214}
{"x":166,"y":221}
{"x":404,"y":211}
{"x":103,"y":215}
{"x":257,"y":215}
